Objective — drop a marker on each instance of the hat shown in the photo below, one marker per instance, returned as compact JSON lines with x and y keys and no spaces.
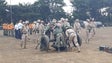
{"x":26,"y":22}
{"x":54,"y":20}
{"x":38,"y":20}
{"x":34,"y":22}
{"x":87,"y":20}
{"x":66,"y":19}
{"x":77,"y":20}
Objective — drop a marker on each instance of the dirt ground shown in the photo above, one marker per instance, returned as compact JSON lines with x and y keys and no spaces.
{"x":11,"y":52}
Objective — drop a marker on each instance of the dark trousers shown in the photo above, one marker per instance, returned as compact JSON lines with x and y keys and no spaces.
{"x":16,"y":34}
{"x":19,"y":34}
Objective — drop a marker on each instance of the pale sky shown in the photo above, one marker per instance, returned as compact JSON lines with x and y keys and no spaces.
{"x":67,"y":8}
{"x":16,"y":2}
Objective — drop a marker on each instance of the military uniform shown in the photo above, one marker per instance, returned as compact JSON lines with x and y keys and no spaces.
{"x":72,"y":37}
{"x":40,"y":28}
{"x":90,"y":30}
{"x":25,"y":34}
{"x":58,"y":35}
{"x":77,"y":26}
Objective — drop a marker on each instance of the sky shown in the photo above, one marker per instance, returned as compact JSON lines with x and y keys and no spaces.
{"x":16,"y":2}
{"x":68,"y":8}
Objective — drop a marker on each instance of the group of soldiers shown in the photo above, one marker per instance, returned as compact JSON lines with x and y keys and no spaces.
{"x":23,"y":29}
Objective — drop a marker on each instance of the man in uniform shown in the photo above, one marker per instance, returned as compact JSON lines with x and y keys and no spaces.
{"x":93,"y":26}
{"x":25,"y":33}
{"x":58,"y":35}
{"x":40,"y":28}
{"x":77,"y":26}
{"x":89,"y":30}
{"x":72,"y":37}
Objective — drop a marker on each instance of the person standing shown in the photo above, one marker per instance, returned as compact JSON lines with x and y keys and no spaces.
{"x":77,"y":26}
{"x":93,"y":27}
{"x":25,"y":34}
{"x":16,"y":31}
{"x":40,"y":28}
{"x":89,"y":30}
{"x":20,"y":25}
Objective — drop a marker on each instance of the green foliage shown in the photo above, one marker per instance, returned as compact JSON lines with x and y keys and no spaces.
{"x":2,"y":10}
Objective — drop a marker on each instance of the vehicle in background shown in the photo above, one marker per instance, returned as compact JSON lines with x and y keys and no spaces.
{"x":84,"y":23}
{"x":98,"y":24}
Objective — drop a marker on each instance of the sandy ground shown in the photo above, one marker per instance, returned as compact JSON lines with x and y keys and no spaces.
{"x":11,"y":52}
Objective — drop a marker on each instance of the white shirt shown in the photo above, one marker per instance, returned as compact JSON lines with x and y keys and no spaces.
{"x":16,"y":27}
{"x":20,"y":25}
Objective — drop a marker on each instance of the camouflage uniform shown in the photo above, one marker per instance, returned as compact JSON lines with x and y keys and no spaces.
{"x":72,"y":37}
{"x":77,"y":26}
{"x":93,"y":27}
{"x":25,"y":33}
{"x":90,"y":30}
{"x":40,"y":28}
{"x":58,"y":35}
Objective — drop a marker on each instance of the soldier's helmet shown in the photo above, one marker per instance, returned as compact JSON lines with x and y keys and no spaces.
{"x":88,"y":20}
{"x":38,"y":20}
{"x":66,"y":19}
{"x":54,"y":20}
{"x":77,"y":20}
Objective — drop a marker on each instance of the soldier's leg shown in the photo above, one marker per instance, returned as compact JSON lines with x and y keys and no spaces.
{"x":37,"y":43}
{"x":76,"y":43}
{"x":87,"y":36}
{"x":93,"y":32}
{"x":22,"y":41}
{"x":25,"y":41}
{"x":57,"y":44}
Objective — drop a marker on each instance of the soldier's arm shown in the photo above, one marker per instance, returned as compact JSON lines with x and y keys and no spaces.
{"x":66,"y":33}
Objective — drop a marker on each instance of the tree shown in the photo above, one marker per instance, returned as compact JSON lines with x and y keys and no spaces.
{"x":2,"y":11}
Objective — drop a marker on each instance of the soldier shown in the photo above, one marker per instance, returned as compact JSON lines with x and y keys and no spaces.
{"x":67,"y":24}
{"x":89,"y":30}
{"x":58,"y":35}
{"x":77,"y":26}
{"x":93,"y":26}
{"x":72,"y":37}
{"x":25,"y":34}
{"x":34,"y":27}
{"x":40,"y":28}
